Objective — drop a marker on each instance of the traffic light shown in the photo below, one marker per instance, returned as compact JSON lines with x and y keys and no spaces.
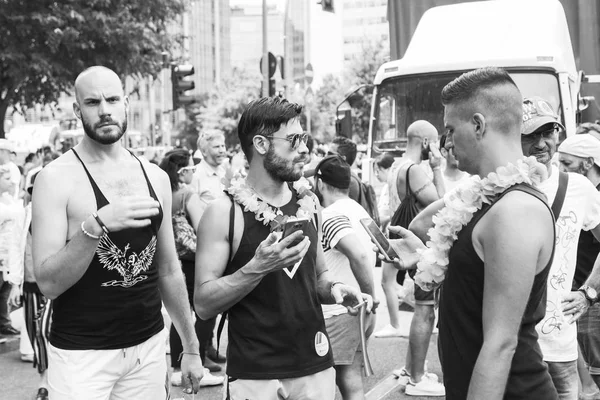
{"x":180,"y":85}
{"x":327,"y":5}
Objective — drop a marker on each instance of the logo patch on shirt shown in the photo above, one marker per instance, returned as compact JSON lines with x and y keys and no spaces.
{"x":321,"y":344}
{"x":128,"y":265}
{"x":291,"y":272}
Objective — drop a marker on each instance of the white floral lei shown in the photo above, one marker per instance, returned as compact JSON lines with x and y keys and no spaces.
{"x":460,"y":205}
{"x":267,"y":214}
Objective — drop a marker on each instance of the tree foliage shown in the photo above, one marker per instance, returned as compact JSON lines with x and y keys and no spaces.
{"x":227,"y":101}
{"x":45,"y":44}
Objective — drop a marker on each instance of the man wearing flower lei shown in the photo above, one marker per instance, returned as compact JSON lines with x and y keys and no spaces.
{"x":271,"y":289}
{"x":491,"y":243}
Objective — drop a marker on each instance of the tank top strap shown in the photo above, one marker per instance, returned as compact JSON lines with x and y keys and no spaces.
{"x":101,"y":200}
{"x":150,"y":188}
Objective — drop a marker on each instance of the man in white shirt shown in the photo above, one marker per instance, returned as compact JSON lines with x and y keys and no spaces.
{"x":580,"y":210}
{"x":6,"y":148}
{"x":209,"y":175}
{"x":350,"y":259}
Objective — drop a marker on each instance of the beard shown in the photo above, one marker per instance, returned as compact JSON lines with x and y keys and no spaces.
{"x":280,"y":169}
{"x":92,"y":131}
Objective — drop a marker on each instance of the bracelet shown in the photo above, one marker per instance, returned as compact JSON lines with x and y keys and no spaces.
{"x":185,"y":352}
{"x":104,"y":228}
{"x":335,"y":283}
{"x":86,"y":233}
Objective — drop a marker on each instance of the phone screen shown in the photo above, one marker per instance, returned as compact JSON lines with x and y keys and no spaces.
{"x":380,"y":240}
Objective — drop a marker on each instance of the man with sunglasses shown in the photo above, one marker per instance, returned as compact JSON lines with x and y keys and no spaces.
{"x":580,"y":210}
{"x":271,"y":289}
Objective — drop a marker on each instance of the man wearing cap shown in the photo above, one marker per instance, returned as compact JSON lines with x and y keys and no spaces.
{"x":581,"y":154}
{"x":580,"y":210}
{"x":349,"y":258}
{"x":6,"y":149}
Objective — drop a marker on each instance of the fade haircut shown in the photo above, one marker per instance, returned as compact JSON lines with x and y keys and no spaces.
{"x":489,"y":90}
{"x":346,"y":148}
{"x":264,"y":117}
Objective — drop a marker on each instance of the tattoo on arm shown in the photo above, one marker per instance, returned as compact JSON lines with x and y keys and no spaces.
{"x":419,"y":190}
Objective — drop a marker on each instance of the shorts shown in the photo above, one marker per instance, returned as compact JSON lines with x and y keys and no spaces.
{"x":137,"y":372}
{"x":344,"y":336}
{"x":588,"y":336}
{"x":422,"y":297}
{"x":318,"y":386}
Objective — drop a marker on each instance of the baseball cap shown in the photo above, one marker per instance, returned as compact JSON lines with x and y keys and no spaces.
{"x":536,"y":113}
{"x":334,"y":171}
{"x":6,"y":144}
{"x":582,"y":145}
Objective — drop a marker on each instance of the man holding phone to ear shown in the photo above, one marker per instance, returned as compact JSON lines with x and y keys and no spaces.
{"x":350,"y":259}
{"x":278,"y":342}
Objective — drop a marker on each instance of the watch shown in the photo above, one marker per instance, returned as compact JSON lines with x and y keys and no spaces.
{"x":590,"y":293}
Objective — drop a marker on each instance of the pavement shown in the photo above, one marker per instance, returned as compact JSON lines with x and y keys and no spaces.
{"x":20,"y":379}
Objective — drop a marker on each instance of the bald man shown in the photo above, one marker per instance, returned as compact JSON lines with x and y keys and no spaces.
{"x":495,"y":287}
{"x":414,"y":185}
{"x":103,"y":250}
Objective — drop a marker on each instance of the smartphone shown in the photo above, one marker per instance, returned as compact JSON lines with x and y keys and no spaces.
{"x":379,"y":239}
{"x":292,"y":225}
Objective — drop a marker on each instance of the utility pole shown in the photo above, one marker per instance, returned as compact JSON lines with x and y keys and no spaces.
{"x":163,"y":78}
{"x":265,"y":58}
{"x":307,"y":60}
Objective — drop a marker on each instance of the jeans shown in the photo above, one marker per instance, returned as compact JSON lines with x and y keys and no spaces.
{"x":565,"y":379}
{"x":4,"y":293}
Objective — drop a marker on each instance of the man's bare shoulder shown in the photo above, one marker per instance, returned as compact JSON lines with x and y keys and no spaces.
{"x":60,"y":170}
{"x":521,"y":209}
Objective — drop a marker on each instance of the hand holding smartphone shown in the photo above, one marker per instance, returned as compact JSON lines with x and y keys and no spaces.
{"x":379,"y":239}
{"x":293,"y":225}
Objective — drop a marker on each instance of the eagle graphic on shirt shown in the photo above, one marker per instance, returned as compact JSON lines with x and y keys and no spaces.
{"x":128,"y":264}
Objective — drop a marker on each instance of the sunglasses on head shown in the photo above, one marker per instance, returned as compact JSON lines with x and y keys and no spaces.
{"x":186,"y":169}
{"x":293,"y":139}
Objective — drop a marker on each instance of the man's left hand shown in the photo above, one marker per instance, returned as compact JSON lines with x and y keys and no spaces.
{"x":574,"y":304}
{"x":192,"y":371}
{"x":350,"y":297}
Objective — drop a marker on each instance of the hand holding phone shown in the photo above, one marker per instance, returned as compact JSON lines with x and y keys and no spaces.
{"x":293,"y":225}
{"x":379,"y":239}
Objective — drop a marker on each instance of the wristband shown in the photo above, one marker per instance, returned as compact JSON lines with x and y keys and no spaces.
{"x":86,"y":233}
{"x":185,"y":352}
{"x":104,"y":228}
{"x":335,"y":283}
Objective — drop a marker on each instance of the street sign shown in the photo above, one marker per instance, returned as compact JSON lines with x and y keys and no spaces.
{"x":272,"y":65}
{"x":308,"y":73}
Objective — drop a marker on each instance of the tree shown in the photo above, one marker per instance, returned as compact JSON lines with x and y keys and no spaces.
{"x":45,"y":44}
{"x":361,"y":70}
{"x":327,"y":97}
{"x":227,"y":101}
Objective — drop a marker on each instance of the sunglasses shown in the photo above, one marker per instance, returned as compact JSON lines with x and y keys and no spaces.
{"x":186,"y":169}
{"x":293,"y":139}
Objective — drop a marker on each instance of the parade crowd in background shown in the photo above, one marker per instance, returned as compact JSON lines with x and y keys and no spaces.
{"x":118,"y":258}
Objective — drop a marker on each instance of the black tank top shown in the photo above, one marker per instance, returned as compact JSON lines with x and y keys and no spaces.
{"x":277,"y":330}
{"x":461,"y":330}
{"x":116,"y":304}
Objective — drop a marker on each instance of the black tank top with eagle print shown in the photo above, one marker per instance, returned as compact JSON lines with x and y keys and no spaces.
{"x":116,"y":304}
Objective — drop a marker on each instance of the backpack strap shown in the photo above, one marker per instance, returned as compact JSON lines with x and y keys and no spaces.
{"x":230,"y":238}
{"x":563,"y":182}
{"x":407,"y":190}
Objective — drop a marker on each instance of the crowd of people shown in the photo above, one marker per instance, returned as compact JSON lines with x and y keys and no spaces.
{"x":118,"y":261}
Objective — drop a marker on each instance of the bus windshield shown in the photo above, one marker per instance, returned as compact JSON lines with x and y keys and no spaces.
{"x":405,"y":99}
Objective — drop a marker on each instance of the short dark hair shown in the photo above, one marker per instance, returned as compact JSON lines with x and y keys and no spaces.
{"x":468,"y":85}
{"x":172,"y":162}
{"x":264,"y":117}
{"x":346,"y":148}
{"x":385,"y":161}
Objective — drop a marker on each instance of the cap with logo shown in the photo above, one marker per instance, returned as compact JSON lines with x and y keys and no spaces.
{"x":334,"y":171}
{"x":537,"y":112}
{"x":582,"y":145}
